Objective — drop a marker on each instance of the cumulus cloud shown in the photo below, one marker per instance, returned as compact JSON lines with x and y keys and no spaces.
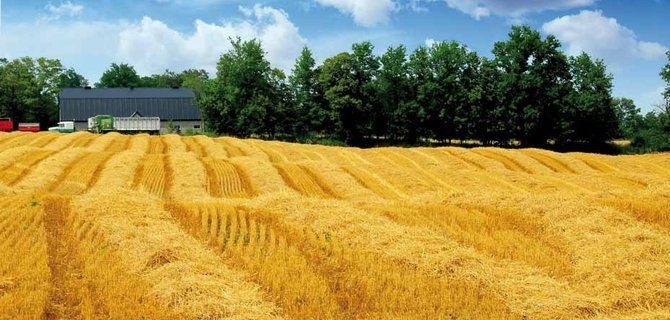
{"x":603,"y":37}
{"x":512,"y":9}
{"x":64,"y":9}
{"x":88,"y":46}
{"x":152,"y":46}
{"x":366,"y":13}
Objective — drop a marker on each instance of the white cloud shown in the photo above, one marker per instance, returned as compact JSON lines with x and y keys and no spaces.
{"x":512,"y":9}
{"x":603,"y":37}
{"x":652,"y":50}
{"x":88,"y":46}
{"x":64,"y":9}
{"x":430,"y":42}
{"x":366,"y":13}
{"x":153,"y":46}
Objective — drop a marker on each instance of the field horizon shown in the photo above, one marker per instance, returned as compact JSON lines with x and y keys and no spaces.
{"x":170,"y":227}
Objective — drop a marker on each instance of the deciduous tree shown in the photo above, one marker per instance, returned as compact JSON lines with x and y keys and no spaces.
{"x":304,"y":87}
{"x":342,"y":87}
{"x":29,"y":89}
{"x":120,"y":76}
{"x":393,"y":89}
{"x":590,"y":116}
{"x":534,"y":84}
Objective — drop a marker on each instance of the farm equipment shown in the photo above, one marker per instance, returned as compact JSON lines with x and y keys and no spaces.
{"x":64,"y":127}
{"x":103,"y":124}
{"x":6,"y":125}
{"x":29,"y":127}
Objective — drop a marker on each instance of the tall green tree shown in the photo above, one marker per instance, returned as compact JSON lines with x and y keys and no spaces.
{"x":535,"y":82}
{"x":342,"y":86}
{"x":665,"y":74}
{"x":447,"y":59}
{"x":393,"y":90}
{"x":282,"y":114}
{"x":423,"y":87}
{"x":654,"y":134}
{"x":47,"y":77}
{"x":468,"y":97}
{"x":29,"y":89}
{"x":168,"y":79}
{"x":243,"y":99}
{"x":17,"y":92}
{"x":120,"y":76}
{"x":71,"y":79}
{"x":488,"y":113}
{"x":194,"y":79}
{"x":629,"y":117}
{"x":365,"y":69}
{"x":591,"y":116}
{"x":304,"y":87}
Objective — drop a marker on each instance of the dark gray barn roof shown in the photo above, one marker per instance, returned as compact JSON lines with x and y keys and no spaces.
{"x":79,"y":104}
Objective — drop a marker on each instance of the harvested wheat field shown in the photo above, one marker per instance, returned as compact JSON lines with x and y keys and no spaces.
{"x":166,"y":227}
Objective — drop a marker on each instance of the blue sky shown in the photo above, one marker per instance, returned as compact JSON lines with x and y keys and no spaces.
{"x":630,"y":36}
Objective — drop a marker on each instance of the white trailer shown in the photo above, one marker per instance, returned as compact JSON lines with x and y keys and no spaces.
{"x":141,"y":124}
{"x":124,"y":124}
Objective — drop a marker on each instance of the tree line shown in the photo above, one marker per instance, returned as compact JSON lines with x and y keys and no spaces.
{"x":29,"y":89}
{"x":529,"y":93}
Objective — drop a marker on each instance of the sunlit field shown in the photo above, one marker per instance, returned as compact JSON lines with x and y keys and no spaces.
{"x":165,"y":227}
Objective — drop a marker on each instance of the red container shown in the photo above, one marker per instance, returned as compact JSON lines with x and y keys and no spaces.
{"x":29,"y":127}
{"x":6,"y":125}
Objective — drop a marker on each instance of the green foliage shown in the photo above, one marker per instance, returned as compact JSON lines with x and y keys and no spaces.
{"x":396,"y":112}
{"x":649,"y":133}
{"x":534,"y":84}
{"x":120,"y":76}
{"x":590,"y":115}
{"x":654,"y":135}
{"x":312,"y":138}
{"x":423,"y":88}
{"x":193,"y":79}
{"x":169,"y":79}
{"x":665,"y":74}
{"x":488,"y":114}
{"x":248,"y":97}
{"x":347,"y":95}
{"x":170,"y":127}
{"x":189,"y":132}
{"x":71,"y":79}
{"x":308,"y":101}
{"x":629,"y":117}
{"x":529,"y":93}
{"x":366,"y":68}
{"x":29,"y":89}
{"x":455,"y":70}
{"x":343,"y":92}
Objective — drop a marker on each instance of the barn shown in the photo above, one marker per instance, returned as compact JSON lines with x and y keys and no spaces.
{"x":169,"y":104}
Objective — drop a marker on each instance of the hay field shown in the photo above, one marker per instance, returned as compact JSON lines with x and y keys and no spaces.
{"x":149,"y":227}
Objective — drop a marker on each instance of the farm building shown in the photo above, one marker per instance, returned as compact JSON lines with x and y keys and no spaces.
{"x":169,"y":104}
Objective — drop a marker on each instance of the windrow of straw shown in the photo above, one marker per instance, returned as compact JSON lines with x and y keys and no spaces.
{"x":181,"y":273}
{"x":161,"y":227}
